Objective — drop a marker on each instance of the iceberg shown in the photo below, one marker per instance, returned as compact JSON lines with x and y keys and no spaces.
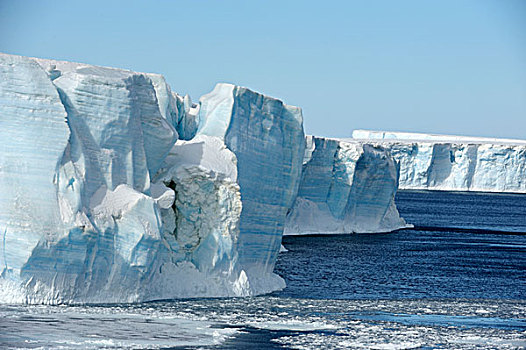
{"x":346,"y":186}
{"x":454,"y":163}
{"x":100,"y":202}
{"x":114,"y":188}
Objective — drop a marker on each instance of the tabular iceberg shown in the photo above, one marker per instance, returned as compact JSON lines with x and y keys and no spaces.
{"x":346,"y":186}
{"x":113,"y":188}
{"x":454,"y":163}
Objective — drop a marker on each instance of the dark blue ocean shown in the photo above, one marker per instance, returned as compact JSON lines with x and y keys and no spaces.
{"x":454,"y":257}
{"x":455,"y":281}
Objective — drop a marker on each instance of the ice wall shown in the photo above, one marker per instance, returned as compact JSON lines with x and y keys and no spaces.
{"x":454,"y":163}
{"x":268,"y":140}
{"x":202,"y":223}
{"x":33,"y":136}
{"x":345,"y":187}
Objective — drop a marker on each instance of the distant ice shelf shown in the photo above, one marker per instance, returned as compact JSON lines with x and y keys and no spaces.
{"x":454,"y":163}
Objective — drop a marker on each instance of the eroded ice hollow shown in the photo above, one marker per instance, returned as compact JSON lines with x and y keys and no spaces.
{"x":115,"y":189}
{"x":454,"y":163}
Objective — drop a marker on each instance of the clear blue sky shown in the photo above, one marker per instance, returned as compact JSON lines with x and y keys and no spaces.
{"x":452,"y":66}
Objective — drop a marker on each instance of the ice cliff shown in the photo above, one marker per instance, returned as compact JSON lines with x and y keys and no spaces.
{"x":268,"y":140}
{"x":346,"y":186}
{"x":100,"y":202}
{"x":454,"y":163}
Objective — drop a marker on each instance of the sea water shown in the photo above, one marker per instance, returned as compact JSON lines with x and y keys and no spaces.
{"x":451,"y":285}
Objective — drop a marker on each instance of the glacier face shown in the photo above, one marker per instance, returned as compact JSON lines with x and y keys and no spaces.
{"x":454,"y":163}
{"x":267,"y":139}
{"x":345,"y":187}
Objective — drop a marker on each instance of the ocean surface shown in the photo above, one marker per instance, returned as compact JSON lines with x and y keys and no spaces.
{"x":455,"y":281}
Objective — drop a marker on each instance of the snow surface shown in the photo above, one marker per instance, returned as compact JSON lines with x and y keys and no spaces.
{"x":345,"y":187}
{"x":414,"y":136}
{"x":454,"y":163}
